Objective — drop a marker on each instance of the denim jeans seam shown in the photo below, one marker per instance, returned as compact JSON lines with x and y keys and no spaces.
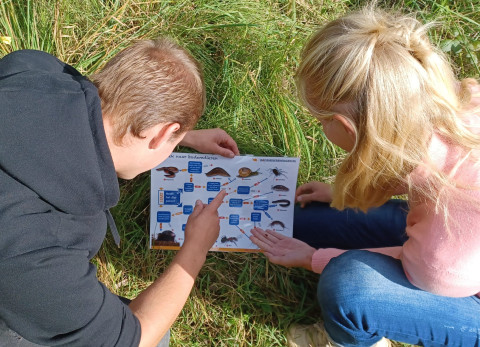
{"x":476,"y":299}
{"x":382,"y":333}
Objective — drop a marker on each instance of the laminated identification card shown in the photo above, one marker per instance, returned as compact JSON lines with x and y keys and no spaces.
{"x":261,"y":192}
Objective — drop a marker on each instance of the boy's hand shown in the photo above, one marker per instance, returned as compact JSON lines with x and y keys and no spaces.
{"x":283,"y":250}
{"x":313,"y":191}
{"x":214,"y":141}
{"x":203,"y":225}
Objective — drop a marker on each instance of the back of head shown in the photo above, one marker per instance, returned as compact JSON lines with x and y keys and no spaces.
{"x":151,"y":82}
{"x":399,"y":88}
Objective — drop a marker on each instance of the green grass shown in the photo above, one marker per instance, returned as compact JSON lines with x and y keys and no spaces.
{"x":249,"y":50}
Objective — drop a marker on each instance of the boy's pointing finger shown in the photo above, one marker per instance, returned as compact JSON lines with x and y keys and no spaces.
{"x":217,"y":201}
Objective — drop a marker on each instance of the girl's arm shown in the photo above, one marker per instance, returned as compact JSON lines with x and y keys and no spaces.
{"x":213,"y":141}
{"x":290,"y":252}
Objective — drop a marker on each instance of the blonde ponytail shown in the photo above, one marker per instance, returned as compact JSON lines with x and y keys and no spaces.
{"x":401,"y":90}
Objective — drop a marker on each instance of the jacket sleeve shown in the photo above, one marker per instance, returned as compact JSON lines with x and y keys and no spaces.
{"x":52,"y":297}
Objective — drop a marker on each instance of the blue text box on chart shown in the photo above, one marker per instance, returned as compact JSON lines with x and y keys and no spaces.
{"x":187,"y":209}
{"x":260,"y":205}
{"x":188,"y":187}
{"x":243,"y":190}
{"x":234,"y":219}
{"x":235,"y":203}
{"x":256,"y":217}
{"x":171,"y":197}
{"x":213,"y":186}
{"x":195,"y":167}
{"x":163,"y":216}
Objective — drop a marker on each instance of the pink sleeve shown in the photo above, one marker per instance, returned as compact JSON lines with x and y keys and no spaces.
{"x":322,"y":256}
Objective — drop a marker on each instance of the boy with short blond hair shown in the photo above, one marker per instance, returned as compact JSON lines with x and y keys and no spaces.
{"x":63,"y":142}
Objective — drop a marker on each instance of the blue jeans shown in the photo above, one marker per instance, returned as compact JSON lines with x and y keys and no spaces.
{"x":365,"y":295}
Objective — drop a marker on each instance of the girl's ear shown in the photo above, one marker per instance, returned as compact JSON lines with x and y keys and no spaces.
{"x":347,"y":125}
{"x":161,"y":134}
{"x":345,"y":135}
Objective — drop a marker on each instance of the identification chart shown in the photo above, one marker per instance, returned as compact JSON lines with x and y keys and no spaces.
{"x":260,"y":193}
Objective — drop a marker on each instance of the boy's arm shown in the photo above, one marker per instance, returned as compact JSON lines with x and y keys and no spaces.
{"x":158,"y":306}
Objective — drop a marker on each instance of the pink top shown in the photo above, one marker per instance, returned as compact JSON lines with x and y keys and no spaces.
{"x":439,"y":259}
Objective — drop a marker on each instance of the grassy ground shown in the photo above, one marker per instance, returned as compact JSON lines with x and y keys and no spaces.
{"x":249,"y":50}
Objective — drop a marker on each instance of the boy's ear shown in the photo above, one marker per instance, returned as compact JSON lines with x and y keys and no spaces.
{"x":162,"y":133}
{"x":347,"y":125}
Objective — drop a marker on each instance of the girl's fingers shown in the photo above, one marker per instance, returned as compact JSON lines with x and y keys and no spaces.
{"x":267,"y":235}
{"x":275,"y":236}
{"x":263,"y":236}
{"x":302,"y":196}
{"x":305,"y":188}
{"x":261,"y":243}
{"x":300,"y":191}
{"x":306,"y":198}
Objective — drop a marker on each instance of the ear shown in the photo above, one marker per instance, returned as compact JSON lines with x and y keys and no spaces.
{"x":347,"y":125}
{"x":161,"y":133}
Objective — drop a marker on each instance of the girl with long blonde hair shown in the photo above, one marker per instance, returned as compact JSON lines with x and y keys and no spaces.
{"x":396,"y":269}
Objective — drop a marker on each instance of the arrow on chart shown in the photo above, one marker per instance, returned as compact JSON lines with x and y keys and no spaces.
{"x":266,"y":214}
{"x":242,"y":231}
{"x":256,"y":184}
{"x":229,"y":181}
{"x":257,"y":196}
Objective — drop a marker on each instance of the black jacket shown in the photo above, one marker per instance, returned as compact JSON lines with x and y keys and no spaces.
{"x":57,"y":182}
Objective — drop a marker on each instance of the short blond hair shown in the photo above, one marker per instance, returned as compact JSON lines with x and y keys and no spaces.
{"x":151,"y":82}
{"x":402,"y":90}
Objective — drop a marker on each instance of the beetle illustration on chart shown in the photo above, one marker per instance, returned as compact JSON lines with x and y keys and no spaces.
{"x":260,"y":193}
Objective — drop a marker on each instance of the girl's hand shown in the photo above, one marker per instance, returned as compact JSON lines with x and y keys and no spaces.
{"x":283,"y":250}
{"x":203,"y":225}
{"x":313,"y":191}
{"x":214,"y":141}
